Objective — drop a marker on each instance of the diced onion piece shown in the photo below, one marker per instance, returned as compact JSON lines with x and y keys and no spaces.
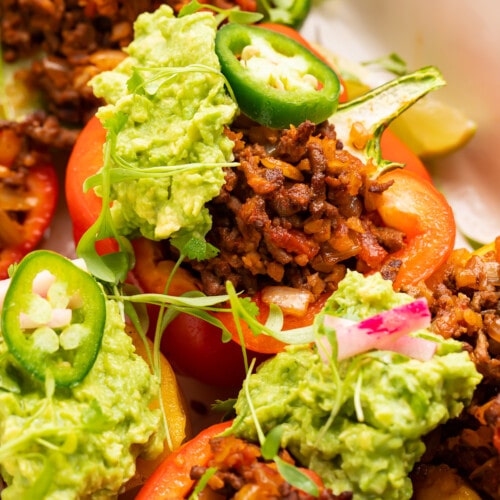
{"x":59,"y":318}
{"x":387,"y":331}
{"x":290,"y":300}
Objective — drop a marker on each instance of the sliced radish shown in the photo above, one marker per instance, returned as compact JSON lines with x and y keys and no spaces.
{"x":413,"y":347}
{"x":387,"y":330}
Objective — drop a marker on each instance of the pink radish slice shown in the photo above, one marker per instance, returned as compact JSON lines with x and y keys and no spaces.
{"x":413,"y":347}
{"x":387,"y":330}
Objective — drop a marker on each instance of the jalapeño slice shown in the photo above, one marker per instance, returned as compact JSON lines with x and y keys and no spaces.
{"x":276,"y":81}
{"x":59,"y":329}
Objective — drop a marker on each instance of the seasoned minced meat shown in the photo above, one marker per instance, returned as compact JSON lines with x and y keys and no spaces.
{"x":70,"y":41}
{"x":464,"y":298}
{"x":243,"y":473}
{"x":293,"y":213}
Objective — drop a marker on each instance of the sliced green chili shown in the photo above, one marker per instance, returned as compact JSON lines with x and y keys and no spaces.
{"x":289,"y":12}
{"x":277,"y":81}
{"x":59,"y":329}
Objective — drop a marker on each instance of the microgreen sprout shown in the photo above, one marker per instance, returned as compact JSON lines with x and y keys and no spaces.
{"x":137,"y":84}
{"x":393,"y":63}
{"x":234,"y":14}
{"x":244,"y":309}
{"x":202,"y":483}
{"x":111,"y":268}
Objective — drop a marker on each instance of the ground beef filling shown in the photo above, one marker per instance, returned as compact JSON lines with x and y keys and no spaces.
{"x":70,"y":41}
{"x":293,"y":214}
{"x":242,"y":473}
{"x":464,"y":298}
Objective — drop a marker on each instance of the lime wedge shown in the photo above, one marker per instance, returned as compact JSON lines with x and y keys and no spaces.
{"x":432,"y":128}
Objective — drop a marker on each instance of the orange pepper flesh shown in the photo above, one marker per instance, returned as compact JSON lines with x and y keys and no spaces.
{"x":417,"y":208}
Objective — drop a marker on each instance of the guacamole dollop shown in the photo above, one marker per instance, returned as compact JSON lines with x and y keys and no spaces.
{"x":170,"y":94}
{"x":359,"y":423}
{"x":79,"y":442}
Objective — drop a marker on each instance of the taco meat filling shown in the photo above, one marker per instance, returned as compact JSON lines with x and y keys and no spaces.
{"x":464,"y":298}
{"x":293,"y":214}
{"x":70,"y":41}
{"x":242,"y":473}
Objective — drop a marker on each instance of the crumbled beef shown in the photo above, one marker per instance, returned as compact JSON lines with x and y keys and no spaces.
{"x":293,"y":213}
{"x":464,"y":298}
{"x":32,"y":140}
{"x":241,"y":472}
{"x":69,"y":42}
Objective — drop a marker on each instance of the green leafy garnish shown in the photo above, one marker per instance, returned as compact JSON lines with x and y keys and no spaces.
{"x":391,"y":62}
{"x":194,"y":248}
{"x":296,"y":477}
{"x":203,"y":481}
{"x":272,"y":443}
{"x":233,"y":15}
{"x":246,"y":310}
{"x":111,"y":268}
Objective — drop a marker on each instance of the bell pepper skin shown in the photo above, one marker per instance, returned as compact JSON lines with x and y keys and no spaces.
{"x":171,"y":479}
{"x":68,"y":363}
{"x":268,"y":99}
{"x":43,"y":190}
{"x":414,"y":206}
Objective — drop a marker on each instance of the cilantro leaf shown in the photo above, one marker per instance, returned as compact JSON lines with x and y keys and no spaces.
{"x":194,"y":248}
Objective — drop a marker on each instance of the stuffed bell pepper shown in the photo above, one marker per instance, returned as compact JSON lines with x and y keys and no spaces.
{"x":82,"y":414}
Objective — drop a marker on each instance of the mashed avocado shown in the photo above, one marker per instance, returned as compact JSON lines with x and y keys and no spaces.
{"x":175,"y":115}
{"x":382,"y":402}
{"x":81,"y":442}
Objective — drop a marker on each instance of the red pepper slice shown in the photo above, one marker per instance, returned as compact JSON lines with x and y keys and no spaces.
{"x":36,"y":204}
{"x":417,"y":208}
{"x":171,"y":479}
{"x":84,"y":208}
